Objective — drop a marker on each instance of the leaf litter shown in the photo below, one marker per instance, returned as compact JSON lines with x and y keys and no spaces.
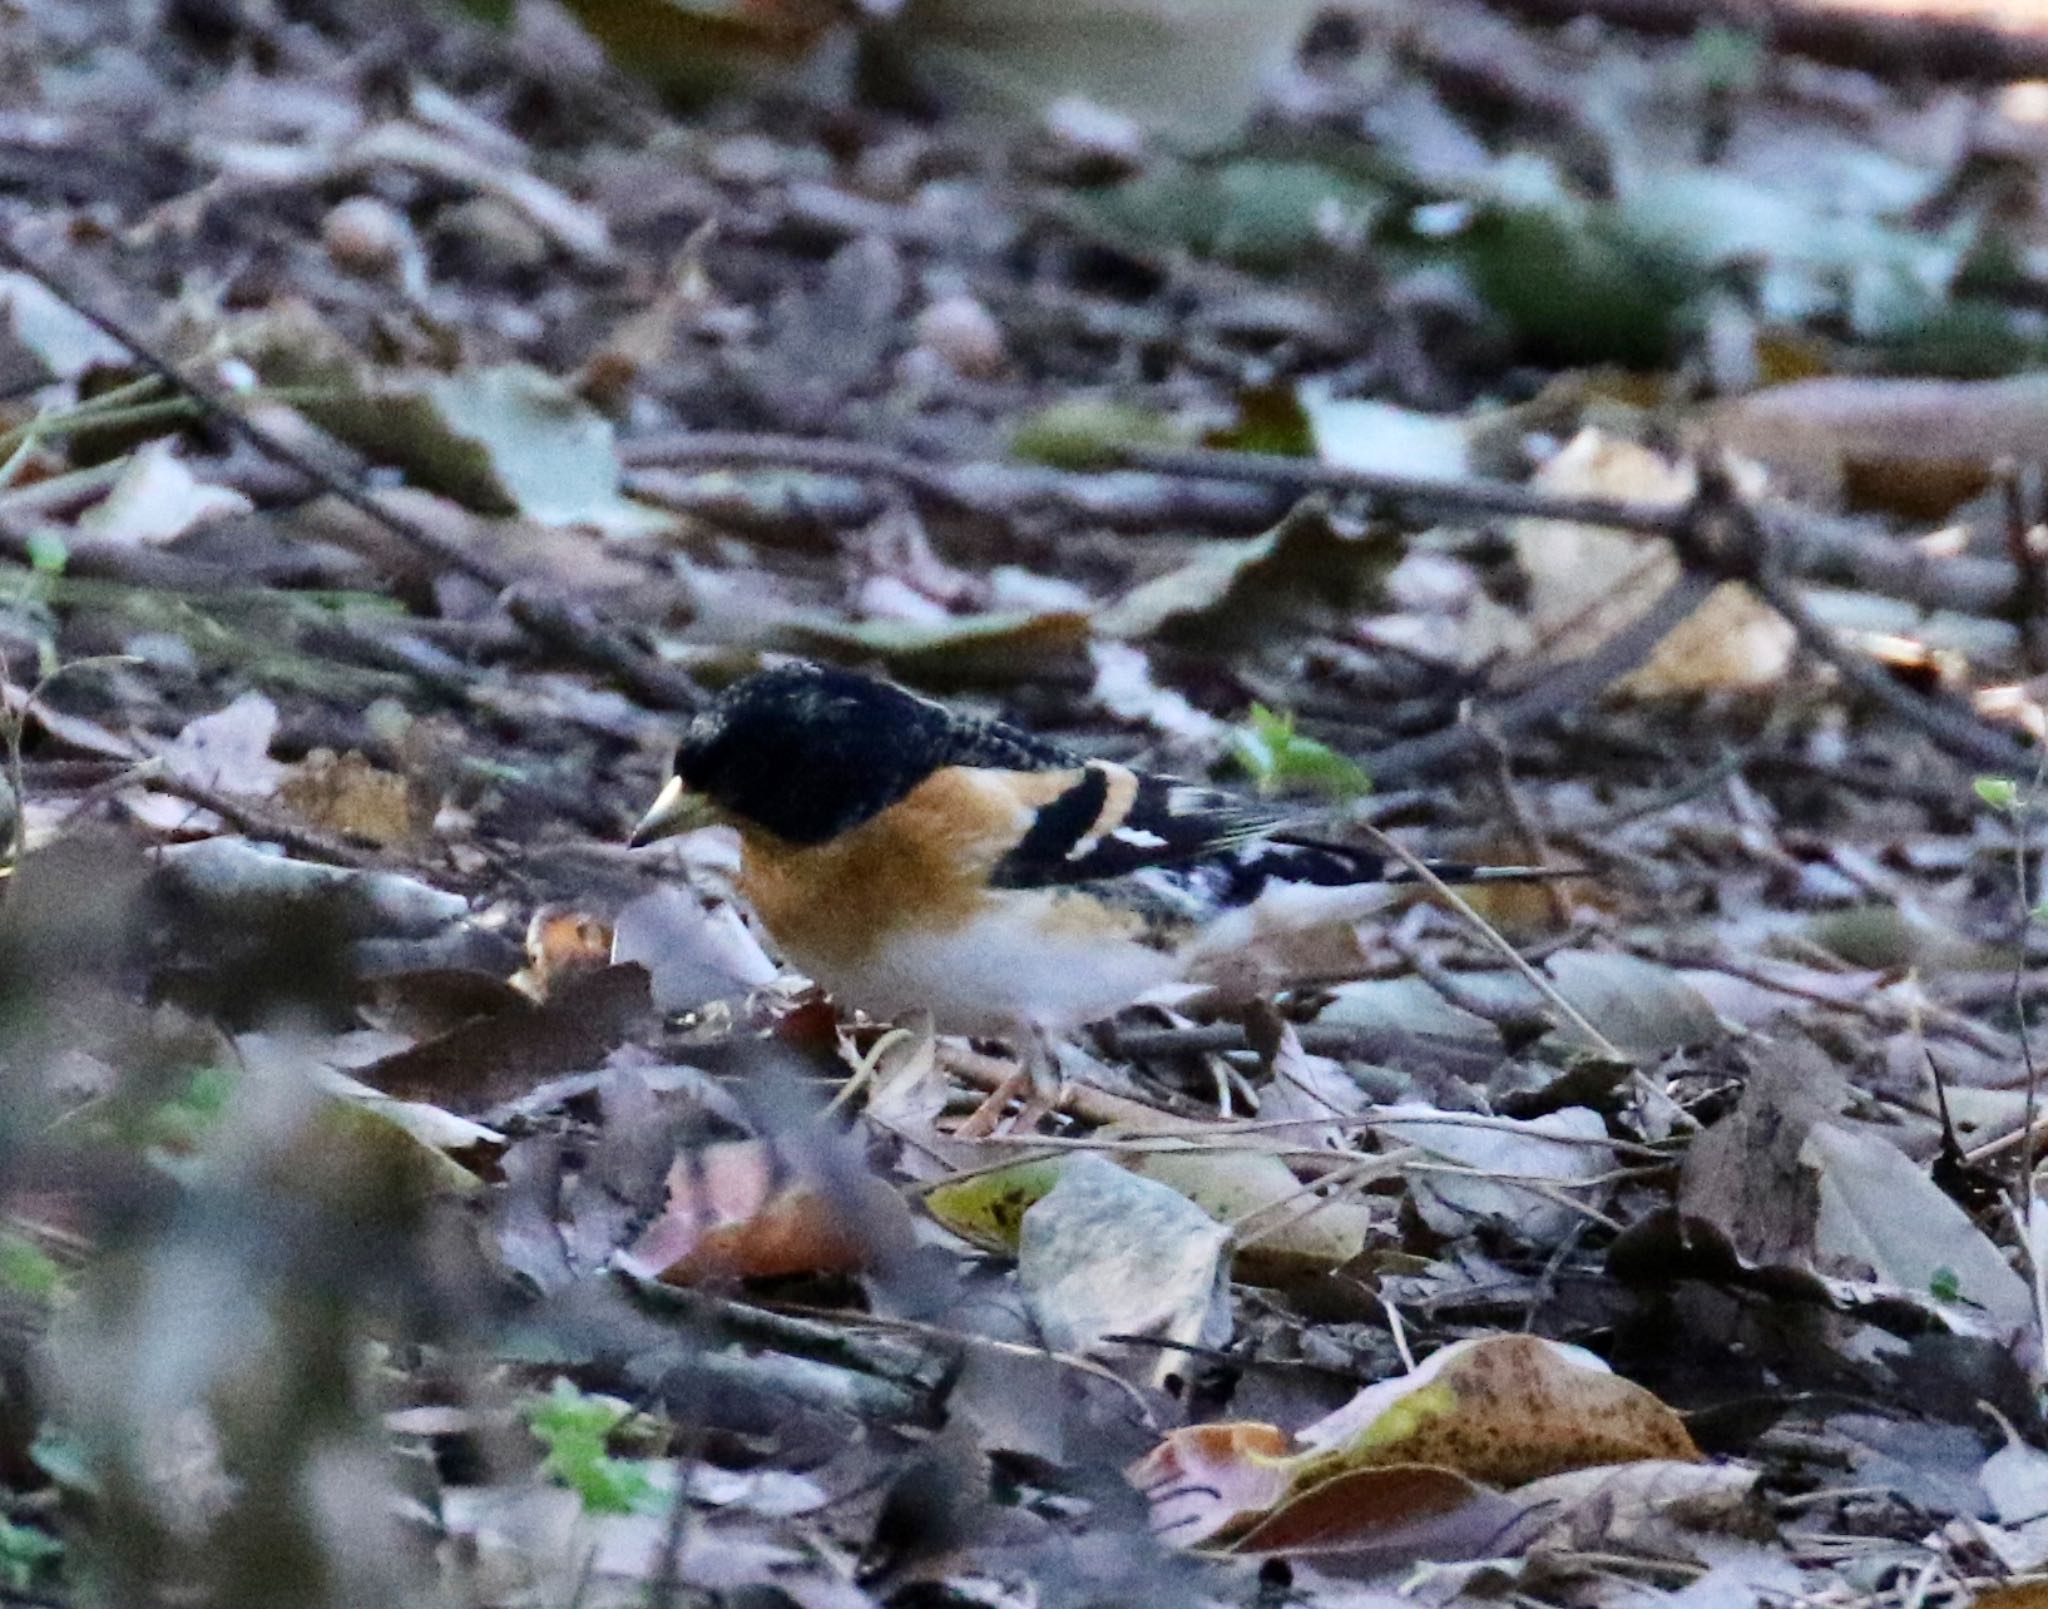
{"x":411,"y":1196}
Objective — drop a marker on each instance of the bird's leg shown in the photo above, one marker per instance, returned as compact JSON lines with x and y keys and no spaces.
{"x":1045,"y":1087}
{"x":980,"y":1123}
{"x":1036,"y":1078}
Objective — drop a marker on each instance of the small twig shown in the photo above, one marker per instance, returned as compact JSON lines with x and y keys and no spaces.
{"x":1954,"y":730}
{"x":1121,"y":499}
{"x":1531,"y":847}
{"x":1080,"y":1100}
{"x":865,"y":1068}
{"x":1163,"y":487}
{"x":1398,"y":1330}
{"x":23,"y":440}
{"x":1416,"y":493}
{"x":802,"y":1381}
{"x":1516,"y":1020}
{"x":2030,"y":597}
{"x":1723,"y":538}
{"x":1349,"y":1042}
{"x":74,"y":489}
{"x":253,"y":818}
{"x":1554,"y":1191}
{"x":13,"y":727}
{"x":742,"y":1323}
{"x":1276,"y":1217}
{"x":2026,"y":1191}
{"x":1566,"y":688}
{"x":1486,"y":930}
{"x":967,"y":1341}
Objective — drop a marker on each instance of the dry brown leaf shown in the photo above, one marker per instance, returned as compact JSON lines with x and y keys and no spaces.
{"x":430,"y":1001}
{"x":1408,"y":1463}
{"x":1398,"y":1511}
{"x":1587,"y":582}
{"x":746,"y":1209}
{"x":1793,"y":1184}
{"x":563,"y":943}
{"x":345,"y":793}
{"x":500,"y":1057}
{"x":1635,"y":1506}
{"x":1503,"y":1409}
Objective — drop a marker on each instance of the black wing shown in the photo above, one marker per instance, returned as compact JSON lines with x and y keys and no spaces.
{"x":1114,"y":821}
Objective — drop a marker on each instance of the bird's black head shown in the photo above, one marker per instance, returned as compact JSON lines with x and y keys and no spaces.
{"x":808,"y":752}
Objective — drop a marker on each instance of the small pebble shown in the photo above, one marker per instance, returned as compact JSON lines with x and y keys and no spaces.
{"x":484,"y":235}
{"x":368,"y":238}
{"x":964,"y":333}
{"x":748,"y":159}
{"x":1092,"y":134}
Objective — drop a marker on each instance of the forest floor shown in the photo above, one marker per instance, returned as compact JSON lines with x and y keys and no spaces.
{"x":1529,"y":441}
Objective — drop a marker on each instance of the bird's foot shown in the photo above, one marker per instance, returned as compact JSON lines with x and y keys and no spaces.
{"x":1036,"y":1079}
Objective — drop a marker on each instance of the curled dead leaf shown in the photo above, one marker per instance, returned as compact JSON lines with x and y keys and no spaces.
{"x":1203,"y":1479}
{"x":746,"y":1209}
{"x":1399,"y":1510}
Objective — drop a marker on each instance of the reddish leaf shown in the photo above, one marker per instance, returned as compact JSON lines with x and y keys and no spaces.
{"x":1410,"y":1510}
{"x":744,"y":1210}
{"x":1204,"y":1479}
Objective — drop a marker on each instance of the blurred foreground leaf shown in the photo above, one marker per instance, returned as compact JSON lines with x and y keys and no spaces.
{"x":26,"y":1555}
{"x":1257,"y":213}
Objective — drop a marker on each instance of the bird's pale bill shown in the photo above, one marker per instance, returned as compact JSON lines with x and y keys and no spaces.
{"x":676,"y":809}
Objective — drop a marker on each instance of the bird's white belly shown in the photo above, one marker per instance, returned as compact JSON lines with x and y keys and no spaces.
{"x":997,"y":972}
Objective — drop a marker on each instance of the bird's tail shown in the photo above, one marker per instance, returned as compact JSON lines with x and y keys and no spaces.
{"x":1282,"y":886}
{"x":1462,"y":871}
{"x":1309,"y":860}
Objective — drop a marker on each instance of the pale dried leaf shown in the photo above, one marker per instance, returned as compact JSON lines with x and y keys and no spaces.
{"x":1587,"y":583}
{"x":157,"y":500}
{"x":1107,"y":1253}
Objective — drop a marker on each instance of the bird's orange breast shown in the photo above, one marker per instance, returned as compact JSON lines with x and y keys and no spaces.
{"x":923,"y":862}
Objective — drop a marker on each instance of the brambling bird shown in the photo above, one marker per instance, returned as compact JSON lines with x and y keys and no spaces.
{"x":907,"y":857}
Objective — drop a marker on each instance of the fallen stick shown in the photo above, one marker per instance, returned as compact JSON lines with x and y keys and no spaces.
{"x":1913,"y":45}
{"x":1813,"y":546}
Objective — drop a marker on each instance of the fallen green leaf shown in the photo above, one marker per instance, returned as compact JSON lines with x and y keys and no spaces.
{"x":27,"y":1270}
{"x":26,"y":1555}
{"x":1279,"y":759}
{"x":1256,"y":213}
{"x":502,"y":440}
{"x":1240,"y":593}
{"x":2001,"y":793}
{"x":577,"y":1429}
{"x":1088,"y":433}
